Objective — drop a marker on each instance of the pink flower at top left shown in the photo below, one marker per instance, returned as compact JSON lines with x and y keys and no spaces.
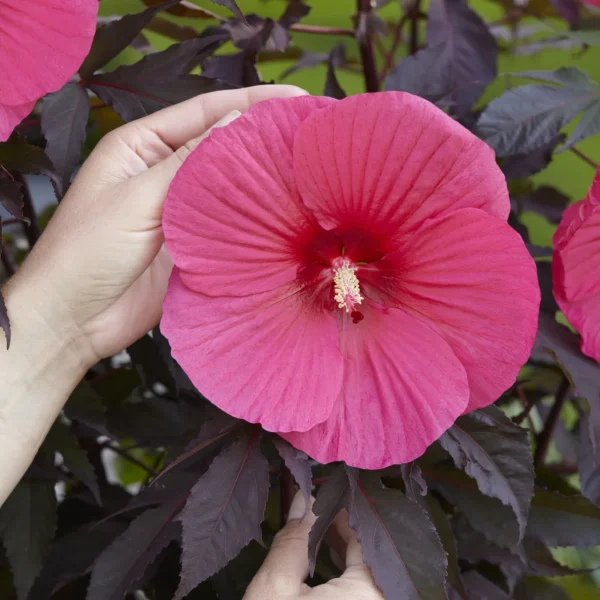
{"x":42,"y":44}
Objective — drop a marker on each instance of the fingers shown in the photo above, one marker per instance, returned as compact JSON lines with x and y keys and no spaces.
{"x":286,"y":567}
{"x":145,"y":142}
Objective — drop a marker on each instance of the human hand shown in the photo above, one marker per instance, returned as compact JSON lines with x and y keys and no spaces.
{"x":100,"y":267}
{"x":282,"y":575}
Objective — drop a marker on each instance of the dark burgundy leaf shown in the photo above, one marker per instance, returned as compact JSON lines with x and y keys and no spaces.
{"x":442,"y":525}
{"x":333,"y":496}
{"x":235,"y":69}
{"x":559,"y":520}
{"x":479,"y":587}
{"x":4,"y":320}
{"x":11,"y":197}
{"x":72,"y":555}
{"x":146,"y":358}
{"x":298,"y":464}
{"x":125,"y":561}
{"x":27,"y":526}
{"x":86,"y":405}
{"x":337,"y":57}
{"x":544,"y":272}
{"x":182,"y":381}
{"x":495,"y":452}
{"x":589,"y":464}
{"x":256,"y":34}
{"x":306,"y":61}
{"x":544,"y":200}
{"x":64,"y":122}
{"x":459,"y":61}
{"x":416,"y":486}
{"x":185,"y":8}
{"x":294,"y":12}
{"x":158,"y":80}
{"x":223,"y":512}
{"x":568,"y":9}
{"x":529,"y":117}
{"x":232,"y":6}
{"x":519,"y":166}
{"x":583,"y":373}
{"x":398,"y":541}
{"x":111,"y":39}
{"x":60,"y":439}
{"x":484,"y":513}
{"x":17,"y":155}
{"x":370,"y":24}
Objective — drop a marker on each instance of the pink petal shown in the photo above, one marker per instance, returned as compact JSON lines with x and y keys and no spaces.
{"x":233,"y":221}
{"x":11,"y":116}
{"x":263,"y":358}
{"x":44,"y":43}
{"x":403,"y":387}
{"x":470,"y":275}
{"x":387,"y":162}
{"x":575,"y":268}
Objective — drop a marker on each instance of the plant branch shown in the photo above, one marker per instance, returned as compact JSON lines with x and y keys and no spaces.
{"x":583,"y":157}
{"x":365,"y":41}
{"x":132,"y":459}
{"x":527,"y":406}
{"x":391,"y":54}
{"x":414,"y":15}
{"x":545,"y":436}
{"x":322,"y":30}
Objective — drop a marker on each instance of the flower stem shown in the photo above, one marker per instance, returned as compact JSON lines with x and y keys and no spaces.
{"x":545,"y":436}
{"x":367,"y":53}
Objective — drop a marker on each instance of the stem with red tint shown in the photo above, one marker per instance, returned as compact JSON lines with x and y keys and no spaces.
{"x":584,"y":157}
{"x":367,"y":53}
{"x":33,"y":230}
{"x":414,"y":15}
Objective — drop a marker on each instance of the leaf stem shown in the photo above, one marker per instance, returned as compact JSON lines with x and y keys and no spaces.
{"x":583,"y":157}
{"x":414,"y":16}
{"x":129,"y":457}
{"x":322,"y":30}
{"x":545,"y":436}
{"x":367,"y":54}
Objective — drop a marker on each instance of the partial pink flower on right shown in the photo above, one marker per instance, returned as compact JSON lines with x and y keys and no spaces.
{"x":576,"y":268}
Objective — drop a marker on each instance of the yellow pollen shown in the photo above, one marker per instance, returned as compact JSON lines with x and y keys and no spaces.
{"x":347,"y":287}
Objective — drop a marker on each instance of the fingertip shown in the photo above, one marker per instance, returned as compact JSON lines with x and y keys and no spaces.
{"x":298,"y":508}
{"x":266,"y":92}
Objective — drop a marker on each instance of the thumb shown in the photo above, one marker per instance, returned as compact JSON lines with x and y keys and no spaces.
{"x":286,"y":566}
{"x":154,"y":182}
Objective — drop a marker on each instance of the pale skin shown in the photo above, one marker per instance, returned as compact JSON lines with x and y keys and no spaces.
{"x":94,"y":283}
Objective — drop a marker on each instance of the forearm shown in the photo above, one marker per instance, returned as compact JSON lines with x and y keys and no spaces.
{"x":43,"y":365}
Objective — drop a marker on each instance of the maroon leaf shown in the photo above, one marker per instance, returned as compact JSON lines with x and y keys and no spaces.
{"x":27,"y":526}
{"x":478,"y":586}
{"x":568,"y":9}
{"x":583,"y":372}
{"x":337,"y":57}
{"x":460,"y":58}
{"x":496,"y":453}
{"x":60,"y":439}
{"x":158,"y":80}
{"x":232,"y":6}
{"x":256,"y":34}
{"x":306,"y":61}
{"x":224,"y":511}
{"x":540,"y":589}
{"x":4,"y":320}
{"x":11,"y":197}
{"x":235,"y":69}
{"x":416,"y":486}
{"x":485,"y":514}
{"x":520,"y":166}
{"x":125,"y":561}
{"x":544,"y":200}
{"x":64,"y":122}
{"x":559,"y":520}
{"x":114,"y":37}
{"x":17,"y":155}
{"x":294,"y":12}
{"x":333,"y":496}
{"x":589,"y":465}
{"x":398,"y":541}
{"x":299,"y":466}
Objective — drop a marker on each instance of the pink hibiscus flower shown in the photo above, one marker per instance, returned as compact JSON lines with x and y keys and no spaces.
{"x":345,"y":275}
{"x":42,"y":44}
{"x":576,"y":268}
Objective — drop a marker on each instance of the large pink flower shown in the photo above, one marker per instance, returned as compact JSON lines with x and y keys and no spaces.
{"x":576,"y":268}
{"x":42,"y":44}
{"x":345,"y":275}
